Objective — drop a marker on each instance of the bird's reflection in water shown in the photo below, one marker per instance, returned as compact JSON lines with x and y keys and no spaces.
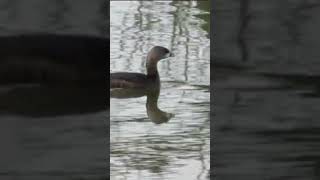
{"x":155,"y":114}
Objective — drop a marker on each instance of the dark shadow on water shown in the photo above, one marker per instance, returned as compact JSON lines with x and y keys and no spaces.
{"x":61,"y":74}
{"x":47,"y":58}
{"x":43,"y":101}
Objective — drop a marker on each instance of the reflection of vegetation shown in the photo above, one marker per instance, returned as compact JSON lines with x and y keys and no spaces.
{"x":186,"y":17}
{"x":152,"y":153}
{"x":141,"y":159}
{"x":244,"y":21}
{"x":153,"y":163}
{"x":205,"y":6}
{"x":56,"y":16}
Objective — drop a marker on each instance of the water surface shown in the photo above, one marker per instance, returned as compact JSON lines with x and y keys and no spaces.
{"x":266,"y":101}
{"x":52,"y":133}
{"x":179,"y":148}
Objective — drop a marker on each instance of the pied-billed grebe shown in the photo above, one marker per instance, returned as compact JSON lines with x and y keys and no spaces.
{"x":139,"y":80}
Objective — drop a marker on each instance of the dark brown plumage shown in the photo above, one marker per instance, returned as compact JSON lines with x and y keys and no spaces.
{"x":139,"y":80}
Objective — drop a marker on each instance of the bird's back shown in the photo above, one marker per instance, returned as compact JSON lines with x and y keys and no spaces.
{"x":128,"y":80}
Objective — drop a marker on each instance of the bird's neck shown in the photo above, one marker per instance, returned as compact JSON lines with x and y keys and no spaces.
{"x":152,"y":70}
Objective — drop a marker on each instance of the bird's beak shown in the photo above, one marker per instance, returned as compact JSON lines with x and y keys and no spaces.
{"x":169,"y":54}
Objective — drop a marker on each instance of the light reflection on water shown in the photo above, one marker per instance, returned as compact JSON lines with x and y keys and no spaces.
{"x":178,"y":149}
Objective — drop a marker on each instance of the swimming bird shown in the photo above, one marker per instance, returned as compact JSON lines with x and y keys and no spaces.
{"x":139,"y":80}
